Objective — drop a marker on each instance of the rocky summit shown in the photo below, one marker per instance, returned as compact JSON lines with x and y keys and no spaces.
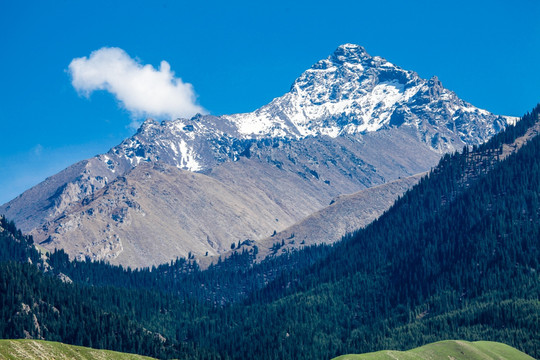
{"x":195,"y":186}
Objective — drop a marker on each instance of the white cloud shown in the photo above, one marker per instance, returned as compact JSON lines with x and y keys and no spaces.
{"x":143,"y":90}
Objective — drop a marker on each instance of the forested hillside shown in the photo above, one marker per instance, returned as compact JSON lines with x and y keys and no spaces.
{"x":456,"y":257}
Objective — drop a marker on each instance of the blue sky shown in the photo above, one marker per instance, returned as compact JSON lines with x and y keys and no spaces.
{"x":237,"y":56}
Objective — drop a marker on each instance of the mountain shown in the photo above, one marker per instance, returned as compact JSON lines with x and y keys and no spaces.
{"x":456,"y":257}
{"x":450,"y":349}
{"x":350,"y":122}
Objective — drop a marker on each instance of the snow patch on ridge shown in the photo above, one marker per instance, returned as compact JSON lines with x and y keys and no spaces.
{"x":187,"y":160}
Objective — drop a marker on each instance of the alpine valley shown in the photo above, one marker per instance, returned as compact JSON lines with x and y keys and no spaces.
{"x":364,"y":211}
{"x":352,"y":124}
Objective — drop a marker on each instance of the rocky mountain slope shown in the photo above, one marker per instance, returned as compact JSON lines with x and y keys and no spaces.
{"x":350,"y":122}
{"x":344,"y":215}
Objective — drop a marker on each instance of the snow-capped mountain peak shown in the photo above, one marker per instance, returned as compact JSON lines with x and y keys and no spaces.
{"x":348,"y":93}
{"x":352,"y":92}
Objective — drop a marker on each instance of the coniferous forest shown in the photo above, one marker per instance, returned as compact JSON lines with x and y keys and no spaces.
{"x":456,"y":257}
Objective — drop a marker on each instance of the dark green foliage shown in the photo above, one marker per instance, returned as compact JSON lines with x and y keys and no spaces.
{"x":14,"y":246}
{"x":38,"y":306}
{"x":229,"y":280}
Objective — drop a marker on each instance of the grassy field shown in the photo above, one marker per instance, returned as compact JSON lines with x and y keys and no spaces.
{"x":448,"y":350}
{"x":443,"y":350}
{"x":47,"y":350}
